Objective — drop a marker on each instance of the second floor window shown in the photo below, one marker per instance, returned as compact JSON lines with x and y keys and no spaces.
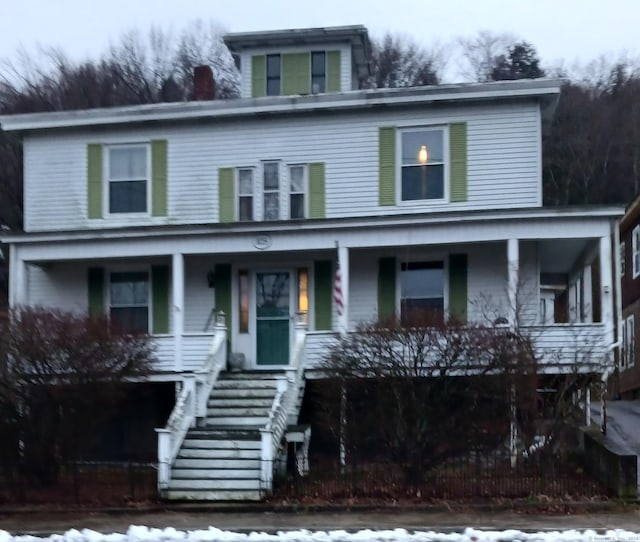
{"x":297,"y":183}
{"x":318,"y":72}
{"x":245,"y":194}
{"x":271,"y":191}
{"x":128,"y":178}
{"x":273,"y":75}
{"x":423,"y":164}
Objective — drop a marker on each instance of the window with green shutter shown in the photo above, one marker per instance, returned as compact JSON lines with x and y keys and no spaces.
{"x":258,"y":76}
{"x":316,"y":190}
{"x":323,"y":294}
{"x":226,"y":199}
{"x":94,"y":180}
{"x":387,"y":166}
{"x":296,"y":73}
{"x":159,"y":178}
{"x":333,"y":71}
{"x":458,"y":155}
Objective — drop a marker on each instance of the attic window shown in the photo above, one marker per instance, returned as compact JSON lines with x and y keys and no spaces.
{"x":273,"y":75}
{"x":318,"y":72}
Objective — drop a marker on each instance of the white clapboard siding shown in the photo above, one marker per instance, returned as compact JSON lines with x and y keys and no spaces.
{"x":346,"y":80}
{"x":57,"y":286}
{"x":164,"y":350}
{"x":194,"y":351}
{"x":503,"y":163}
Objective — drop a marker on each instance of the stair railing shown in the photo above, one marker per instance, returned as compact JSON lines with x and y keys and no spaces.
{"x":284,"y":403}
{"x":190,"y":403}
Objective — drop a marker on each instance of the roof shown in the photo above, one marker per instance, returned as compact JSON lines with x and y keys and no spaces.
{"x":356,"y":35}
{"x":546,"y":91}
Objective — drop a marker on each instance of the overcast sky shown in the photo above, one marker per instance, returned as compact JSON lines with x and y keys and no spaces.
{"x":559,"y":29}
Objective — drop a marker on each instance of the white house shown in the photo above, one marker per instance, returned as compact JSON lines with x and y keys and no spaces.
{"x":218,"y":226}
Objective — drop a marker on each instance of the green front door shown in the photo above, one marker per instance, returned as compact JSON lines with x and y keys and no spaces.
{"x":272,"y":317}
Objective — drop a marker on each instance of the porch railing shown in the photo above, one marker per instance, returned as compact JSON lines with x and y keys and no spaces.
{"x":284,"y":404}
{"x":191,"y":403}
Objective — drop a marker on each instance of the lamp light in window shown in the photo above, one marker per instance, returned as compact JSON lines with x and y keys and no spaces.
{"x":423,"y":155}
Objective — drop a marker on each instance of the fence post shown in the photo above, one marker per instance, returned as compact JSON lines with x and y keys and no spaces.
{"x":266,"y":460}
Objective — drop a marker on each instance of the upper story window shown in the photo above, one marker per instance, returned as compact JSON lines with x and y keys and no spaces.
{"x":129,"y":301}
{"x":318,"y":72}
{"x":271,"y":190}
{"x":635,"y":251}
{"x":128,"y":178}
{"x":297,"y":190}
{"x":245,"y":194}
{"x":423,"y":164}
{"x":273,"y":75}
{"x":422,"y":290}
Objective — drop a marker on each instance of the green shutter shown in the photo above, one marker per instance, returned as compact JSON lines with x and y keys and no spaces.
{"x":316,"y":190}
{"x":458,"y":286}
{"x":458,"y":153}
{"x":333,"y":71}
{"x":258,"y":76}
{"x":223,"y":290}
{"x":159,"y":178}
{"x":323,"y":290}
{"x":160,"y":297}
{"x":387,"y":165}
{"x":95,"y":286}
{"x":386,"y":287}
{"x":94,"y":180}
{"x":296,"y":74}
{"x":226,"y":199}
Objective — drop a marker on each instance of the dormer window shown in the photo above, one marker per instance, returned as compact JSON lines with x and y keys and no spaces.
{"x":318,"y":72}
{"x":273,"y":75}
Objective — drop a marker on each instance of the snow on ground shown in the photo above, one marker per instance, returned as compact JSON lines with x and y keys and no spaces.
{"x":145,"y":534}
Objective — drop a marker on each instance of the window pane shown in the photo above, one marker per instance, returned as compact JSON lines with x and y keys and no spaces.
{"x":422,"y":283}
{"x":413,"y":141}
{"x":271,"y":180}
{"x":273,"y":66}
{"x":245,"y":181}
{"x":273,"y":87}
{"x":297,"y":206}
{"x":272,"y":294}
{"x":296,"y":177}
{"x":271,"y":206}
{"x":422,"y":182}
{"x":128,"y":163}
{"x":128,"y":197}
{"x":129,"y":288}
{"x":431,"y":310}
{"x":130,"y":319}
{"x":318,"y":63}
{"x":246,"y":208}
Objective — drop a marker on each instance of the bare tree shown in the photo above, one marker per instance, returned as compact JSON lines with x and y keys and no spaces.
{"x":481,"y":52}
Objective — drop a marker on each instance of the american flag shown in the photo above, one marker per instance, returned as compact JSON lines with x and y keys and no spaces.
{"x":337,"y":291}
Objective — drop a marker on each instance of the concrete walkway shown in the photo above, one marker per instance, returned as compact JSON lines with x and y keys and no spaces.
{"x":270,"y":521}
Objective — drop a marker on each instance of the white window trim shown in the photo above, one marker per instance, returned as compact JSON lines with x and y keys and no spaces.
{"x":131,"y":269}
{"x":305,"y":189}
{"x":236,"y":181}
{"x":623,"y":262}
{"x":106,"y":148}
{"x":283,"y":192}
{"x":426,"y":259}
{"x":635,"y":251}
{"x":420,"y":203}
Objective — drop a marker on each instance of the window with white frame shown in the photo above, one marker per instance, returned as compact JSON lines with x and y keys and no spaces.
{"x":297,"y":190}
{"x":271,"y":191}
{"x":245,"y":194}
{"x":630,"y":341}
{"x":128,"y":178}
{"x":422,"y":290}
{"x":129,"y":301}
{"x":622,"y":259}
{"x":635,"y":251}
{"x":423,"y":164}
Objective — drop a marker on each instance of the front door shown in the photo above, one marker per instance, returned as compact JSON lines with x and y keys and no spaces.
{"x":273,"y":317}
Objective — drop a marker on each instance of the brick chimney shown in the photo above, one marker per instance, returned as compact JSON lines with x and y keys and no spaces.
{"x":203,"y":84}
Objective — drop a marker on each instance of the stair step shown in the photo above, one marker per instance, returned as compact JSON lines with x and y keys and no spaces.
{"x":242,"y":411}
{"x":214,"y":484}
{"x":245,"y":384}
{"x":239,"y":433}
{"x":215,"y":474}
{"x":237,"y":421}
{"x":212,"y":495}
{"x":218,"y":463}
{"x":218,"y":453}
{"x":243,"y":393}
{"x":214,"y":444}
{"x":237,"y":402}
{"x":250,"y":375}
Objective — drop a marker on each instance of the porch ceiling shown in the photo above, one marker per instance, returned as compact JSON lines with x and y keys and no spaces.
{"x":559,"y":255}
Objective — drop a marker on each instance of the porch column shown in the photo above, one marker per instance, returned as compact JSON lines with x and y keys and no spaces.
{"x":17,"y":278}
{"x":177,"y":291}
{"x":513,"y":269}
{"x":606,"y":289}
{"x":343,"y":264}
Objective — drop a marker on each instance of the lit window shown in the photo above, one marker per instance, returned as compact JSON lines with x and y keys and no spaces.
{"x":422,"y":291}
{"x":128,"y":176}
{"x":423,"y":164}
{"x":129,"y":301}
{"x":303,"y":290}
